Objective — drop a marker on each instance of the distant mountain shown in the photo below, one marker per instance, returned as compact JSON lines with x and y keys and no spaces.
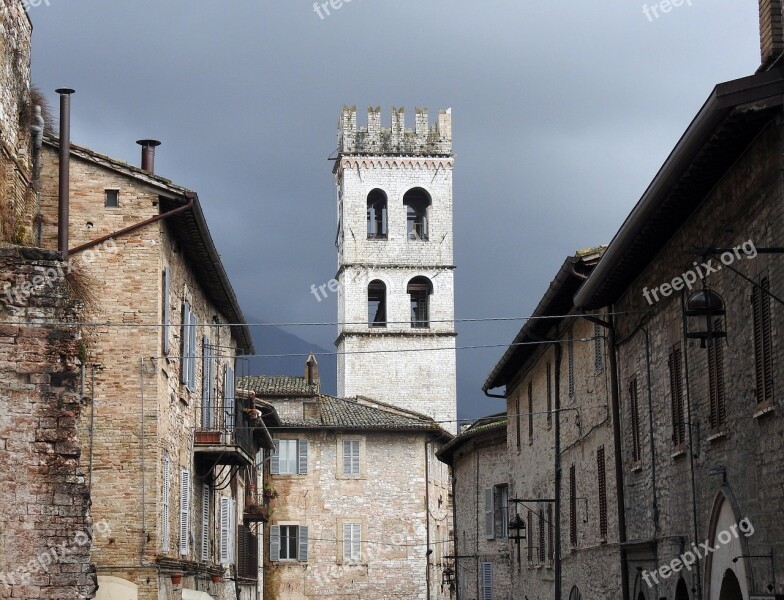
{"x":274,"y":340}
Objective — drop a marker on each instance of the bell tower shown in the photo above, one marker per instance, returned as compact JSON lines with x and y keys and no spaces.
{"x":396,"y":339}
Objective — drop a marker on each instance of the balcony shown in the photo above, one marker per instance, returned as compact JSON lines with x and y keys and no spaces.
{"x":225,"y":434}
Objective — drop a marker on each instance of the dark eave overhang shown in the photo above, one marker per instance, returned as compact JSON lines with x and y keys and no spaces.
{"x":556,"y":301}
{"x":733,"y":116}
{"x":492,"y":431}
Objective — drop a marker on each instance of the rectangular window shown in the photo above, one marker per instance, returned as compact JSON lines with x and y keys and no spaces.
{"x":166,"y":312}
{"x":518,"y":419}
{"x":189,"y":324}
{"x":289,"y":542}
{"x":205,"y":522}
{"x":550,"y":534}
{"x":570,"y":353}
{"x":718,"y":407}
{"x":675,"y":363}
{"x":185,"y":511}
{"x":351,"y":463}
{"x":763,"y":342}
{"x":352,"y":542}
{"x":165,"y":501}
{"x":501,"y":506}
{"x":597,"y":349}
{"x":549,"y":395}
{"x":111,"y":198}
{"x":572,"y":506}
{"x":634,"y":409}
{"x":542,"y":549}
{"x":490,"y":513}
{"x":601,"y":469}
{"x":228,"y":529}
{"x":290,"y":457}
{"x":530,"y":413}
{"x":487,"y":581}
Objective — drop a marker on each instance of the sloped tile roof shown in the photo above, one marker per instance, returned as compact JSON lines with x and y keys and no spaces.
{"x":277,"y":385}
{"x":495,"y":424}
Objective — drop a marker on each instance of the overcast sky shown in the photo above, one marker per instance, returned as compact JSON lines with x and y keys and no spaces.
{"x":563,"y":112}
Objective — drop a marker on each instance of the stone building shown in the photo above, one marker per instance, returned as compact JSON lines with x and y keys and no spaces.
{"x":15,"y":121}
{"x":45,"y":523}
{"x":361,"y":506}
{"x":171,"y":447}
{"x":560,"y":446}
{"x":479,"y":464}
{"x":395,"y":263}
{"x":702,"y":424}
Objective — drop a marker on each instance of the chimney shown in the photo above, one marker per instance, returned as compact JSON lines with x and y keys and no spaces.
{"x":64,"y":191}
{"x":148,"y":155}
{"x":311,"y":372}
{"x":771,"y":31}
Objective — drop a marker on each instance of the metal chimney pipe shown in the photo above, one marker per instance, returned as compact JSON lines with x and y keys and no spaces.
{"x":148,"y":155}
{"x":65,"y":170}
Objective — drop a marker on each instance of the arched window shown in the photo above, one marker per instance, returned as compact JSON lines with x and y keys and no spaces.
{"x":377,"y":215}
{"x":417,"y":202}
{"x":377,"y":304}
{"x":575,"y":594}
{"x":420,"y":289}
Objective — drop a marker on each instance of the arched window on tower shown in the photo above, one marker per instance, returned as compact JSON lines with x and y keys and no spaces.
{"x":417,"y":202}
{"x":377,"y":215}
{"x":420,"y":289}
{"x":377,"y":304}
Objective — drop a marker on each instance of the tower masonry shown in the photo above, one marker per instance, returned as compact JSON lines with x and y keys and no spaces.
{"x":396,"y":339}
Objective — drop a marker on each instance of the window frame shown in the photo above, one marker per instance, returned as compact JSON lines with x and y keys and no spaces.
{"x":377,"y":292}
{"x":116,"y":193}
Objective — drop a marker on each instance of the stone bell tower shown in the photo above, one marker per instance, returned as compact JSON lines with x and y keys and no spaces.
{"x":396,"y":339}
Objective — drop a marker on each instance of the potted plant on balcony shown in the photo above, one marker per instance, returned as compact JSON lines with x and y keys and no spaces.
{"x":270,"y":493}
{"x":255,"y":513}
{"x":208,"y":438}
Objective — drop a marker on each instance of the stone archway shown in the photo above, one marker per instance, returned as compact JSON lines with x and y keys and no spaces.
{"x":730,"y":587}
{"x":682,"y":590}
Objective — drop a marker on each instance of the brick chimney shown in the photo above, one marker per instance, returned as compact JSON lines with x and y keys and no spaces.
{"x":771,"y":31}
{"x":312,"y":373}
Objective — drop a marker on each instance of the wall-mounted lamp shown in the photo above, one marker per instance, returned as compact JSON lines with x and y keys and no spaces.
{"x":702,"y":310}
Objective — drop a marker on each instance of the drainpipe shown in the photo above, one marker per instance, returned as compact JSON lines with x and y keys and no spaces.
{"x":557,"y":469}
{"x":65,"y":170}
{"x":454,"y":527}
{"x":427,"y":517}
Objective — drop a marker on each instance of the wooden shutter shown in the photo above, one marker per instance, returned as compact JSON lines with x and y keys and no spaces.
{"x":570,"y":353}
{"x":487,"y":581}
{"x":573,"y":506}
{"x":205,"y":522}
{"x":207,"y":383}
{"x":192,"y":353}
{"x":718,"y":409}
{"x":302,"y":556}
{"x":166,"y":516}
{"x":302,"y":458}
{"x":634,"y":409}
{"x":763,"y":348}
{"x":542,"y":549}
{"x":352,"y":539}
{"x":225,"y":530}
{"x":275,"y":543}
{"x":601,"y":468}
{"x":550,"y":533}
{"x":676,"y":395}
{"x":549,"y":393}
{"x":518,"y":420}
{"x":597,"y":349}
{"x":186,"y":343}
{"x":489,"y":513}
{"x":530,"y":412}
{"x":166,"y":311}
{"x":185,"y":510}
{"x":275,"y":459}
{"x":530,"y":529}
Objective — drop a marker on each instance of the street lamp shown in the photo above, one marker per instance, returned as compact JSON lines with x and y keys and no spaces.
{"x":517,"y":530}
{"x":448,"y":578}
{"x":701,"y":310}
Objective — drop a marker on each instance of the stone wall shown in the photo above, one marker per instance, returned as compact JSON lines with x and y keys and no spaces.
{"x":44,"y":499}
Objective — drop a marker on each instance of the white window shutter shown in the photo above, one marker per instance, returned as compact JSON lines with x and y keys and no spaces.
{"x":233,"y":531}
{"x":165,"y":504}
{"x":185,"y":510}
{"x":347,"y":537}
{"x":347,"y":458}
{"x":206,"y":386}
{"x":225,"y":525}
{"x":275,"y":459}
{"x":186,"y":342}
{"x":356,"y":541}
{"x":302,"y":463}
{"x":303,"y":544}
{"x":487,"y":581}
{"x":275,"y":543}
{"x":355,"y":458}
{"x":166,"y":311}
{"x":489,"y":514}
{"x":205,"y":523}
{"x":192,"y":353}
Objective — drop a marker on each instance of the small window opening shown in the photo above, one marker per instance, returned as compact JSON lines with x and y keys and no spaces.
{"x":112,"y":199}
{"x":377,"y":215}
{"x":420,"y":289}
{"x":377,"y":304}
{"x":417,"y":202}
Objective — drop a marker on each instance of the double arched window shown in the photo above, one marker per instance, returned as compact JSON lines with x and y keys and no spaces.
{"x":417,"y":202}
{"x":419,"y":290}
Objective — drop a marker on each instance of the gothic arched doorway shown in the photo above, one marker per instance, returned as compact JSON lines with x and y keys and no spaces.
{"x":575,"y":595}
{"x":682,"y":590}
{"x":730,"y":587}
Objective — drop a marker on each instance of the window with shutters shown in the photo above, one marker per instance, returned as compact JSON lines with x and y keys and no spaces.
{"x":289,"y":543}
{"x":634,"y":418}
{"x":248,"y":553}
{"x":529,"y":529}
{"x":530,"y":413}
{"x":518,"y":420}
{"x":549,"y":370}
{"x":290,"y":457}
{"x":189,"y":332}
{"x":165,"y":502}
{"x":501,"y":510}
{"x":598,"y":353}
{"x":542,"y":549}
{"x":228,"y":529}
{"x":206,"y":494}
{"x":487,"y":581}
{"x":490,"y":513}
{"x":208,"y":385}
{"x":675,"y":365}
{"x":718,"y":406}
{"x":185,"y":511}
{"x":763,"y":342}
{"x":351,"y":457}
{"x":570,"y":366}
{"x":601,"y":469}
{"x":550,"y":534}
{"x":166,"y":312}
{"x":572,"y":506}
{"x":352,"y":542}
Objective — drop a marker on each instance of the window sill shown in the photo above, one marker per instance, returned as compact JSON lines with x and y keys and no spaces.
{"x":636,"y":467}
{"x":678,"y":452}
{"x":719,"y":435}
{"x":764,"y":409}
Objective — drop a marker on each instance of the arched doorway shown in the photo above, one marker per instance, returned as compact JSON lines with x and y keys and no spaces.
{"x":682,"y":590}
{"x":575,"y":594}
{"x":730,"y":587}
{"x":640,"y":596}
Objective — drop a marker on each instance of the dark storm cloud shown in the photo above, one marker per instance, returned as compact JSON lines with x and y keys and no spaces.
{"x":563,"y":112}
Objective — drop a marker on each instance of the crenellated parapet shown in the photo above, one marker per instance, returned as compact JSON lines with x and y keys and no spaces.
{"x":421,"y":140}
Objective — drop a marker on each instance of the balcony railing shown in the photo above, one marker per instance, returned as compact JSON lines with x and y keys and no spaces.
{"x":225,"y":433}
